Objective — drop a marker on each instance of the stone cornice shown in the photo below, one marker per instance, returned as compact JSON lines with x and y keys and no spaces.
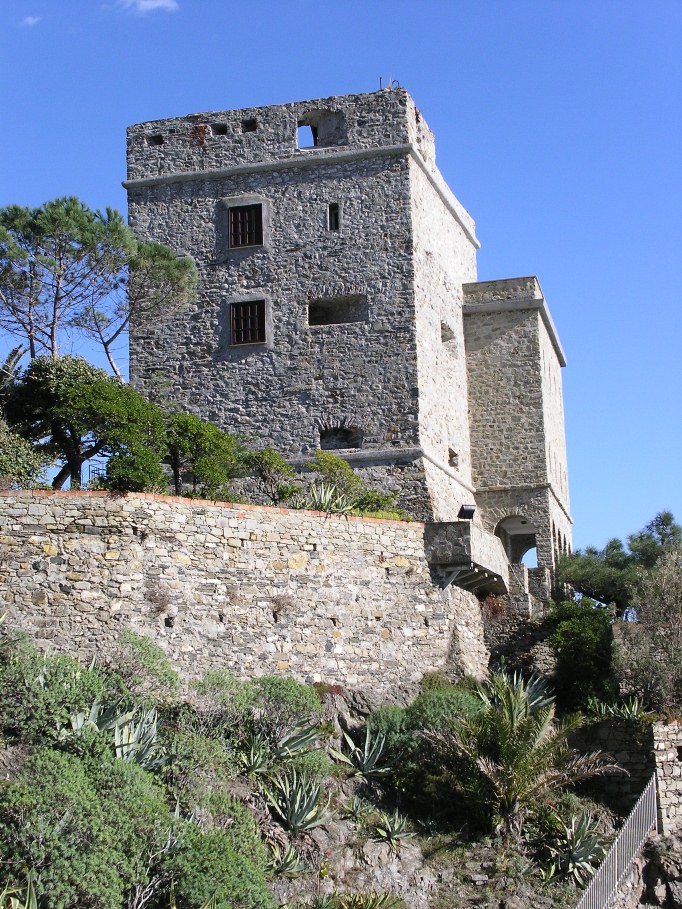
{"x":315,"y":158}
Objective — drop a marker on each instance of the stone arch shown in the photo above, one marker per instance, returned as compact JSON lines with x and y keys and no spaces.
{"x":518,"y":535}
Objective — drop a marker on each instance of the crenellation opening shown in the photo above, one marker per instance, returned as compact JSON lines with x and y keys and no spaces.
{"x":250,"y":125}
{"x":219,"y":129}
{"x":306,"y":135}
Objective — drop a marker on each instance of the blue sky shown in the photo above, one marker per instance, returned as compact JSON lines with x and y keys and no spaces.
{"x":558,"y":125}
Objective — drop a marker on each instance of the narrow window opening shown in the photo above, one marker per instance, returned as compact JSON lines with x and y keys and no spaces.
{"x":247,"y":322}
{"x":336,"y":438}
{"x":249,"y":126}
{"x":306,"y":135}
{"x":337,"y":310}
{"x":155,"y":140}
{"x":334,"y":216}
{"x":679,"y":752}
{"x":219,"y":129}
{"x":245,"y":225}
{"x":446,"y":333}
{"x":453,"y":458}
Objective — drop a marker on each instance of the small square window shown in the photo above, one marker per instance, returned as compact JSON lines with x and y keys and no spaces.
{"x":306,"y":135}
{"x":245,"y":224}
{"x":249,"y":126}
{"x":333,"y":216}
{"x":453,"y":458}
{"x":247,"y":322}
{"x":219,"y":129}
{"x":155,"y":140}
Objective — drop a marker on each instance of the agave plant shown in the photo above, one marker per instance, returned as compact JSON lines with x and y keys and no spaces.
{"x":329,"y":498}
{"x":576,"y":851}
{"x":286,"y":863}
{"x":393,"y":830}
{"x":630,"y":709}
{"x":366,"y":761}
{"x":137,"y":741}
{"x":18,"y":898}
{"x":256,"y":756}
{"x":356,"y":810}
{"x":299,"y":739}
{"x":369,"y":900}
{"x":296,"y":799}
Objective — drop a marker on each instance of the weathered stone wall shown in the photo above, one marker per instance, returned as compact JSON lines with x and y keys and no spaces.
{"x":444,"y":258}
{"x":516,"y":412}
{"x":668,"y":754}
{"x":257,"y":590}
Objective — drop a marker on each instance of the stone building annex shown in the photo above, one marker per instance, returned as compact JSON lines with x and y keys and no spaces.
{"x":339,"y":309}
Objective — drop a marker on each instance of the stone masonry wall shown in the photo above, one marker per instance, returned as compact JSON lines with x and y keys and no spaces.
{"x":256,"y":590}
{"x":668,"y":754}
{"x":444,"y":259}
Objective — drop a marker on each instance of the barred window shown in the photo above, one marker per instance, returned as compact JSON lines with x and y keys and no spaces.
{"x":247,"y":322}
{"x":245,"y":225}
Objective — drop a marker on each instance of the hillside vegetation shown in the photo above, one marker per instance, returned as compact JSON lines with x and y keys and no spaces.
{"x":119,"y":792}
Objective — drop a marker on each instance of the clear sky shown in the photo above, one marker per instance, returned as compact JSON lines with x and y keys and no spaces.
{"x":558,"y":125}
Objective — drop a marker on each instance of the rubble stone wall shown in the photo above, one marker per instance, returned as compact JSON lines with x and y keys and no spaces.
{"x":253,"y":589}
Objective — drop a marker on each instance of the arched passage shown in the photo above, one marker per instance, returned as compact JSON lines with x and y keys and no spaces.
{"x":518,"y":535}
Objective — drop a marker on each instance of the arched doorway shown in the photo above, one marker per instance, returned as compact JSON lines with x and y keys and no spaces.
{"x":519,"y":537}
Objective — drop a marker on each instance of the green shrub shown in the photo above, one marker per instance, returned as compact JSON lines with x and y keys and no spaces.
{"x":436,"y":707}
{"x":51,"y":820}
{"x":196,"y":762}
{"x":136,"y":469}
{"x":38,"y":693}
{"x":390,"y":722}
{"x":206,"y":865}
{"x":143,"y":672}
{"x":238,"y":824}
{"x":280,"y":703}
{"x":582,"y":641}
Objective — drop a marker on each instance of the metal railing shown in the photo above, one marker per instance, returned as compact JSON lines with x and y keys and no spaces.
{"x":624,"y":848}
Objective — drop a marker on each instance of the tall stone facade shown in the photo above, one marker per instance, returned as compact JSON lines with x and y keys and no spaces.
{"x":339,"y":309}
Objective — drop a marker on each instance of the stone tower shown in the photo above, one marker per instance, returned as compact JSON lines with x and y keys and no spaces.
{"x":339,"y":309}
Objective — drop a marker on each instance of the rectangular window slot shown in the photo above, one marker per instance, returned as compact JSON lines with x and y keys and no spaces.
{"x":155,"y":140}
{"x":249,"y":126}
{"x":219,"y":129}
{"x":338,"y":310}
{"x":306,"y":135}
{"x":245,"y":226}
{"x":334,"y":216}
{"x":337,"y":438}
{"x":247,"y":322}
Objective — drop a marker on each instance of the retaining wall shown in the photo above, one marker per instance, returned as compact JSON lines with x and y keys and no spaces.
{"x":254,"y":589}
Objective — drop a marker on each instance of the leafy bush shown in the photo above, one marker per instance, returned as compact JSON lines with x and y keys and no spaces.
{"x":135,"y":469}
{"x":144,"y":673}
{"x":238,"y":824}
{"x":51,"y":820}
{"x":582,"y":641}
{"x":280,"y":703}
{"x":20,"y":465}
{"x":38,"y":693}
{"x":207,"y":865}
{"x":435,"y":707}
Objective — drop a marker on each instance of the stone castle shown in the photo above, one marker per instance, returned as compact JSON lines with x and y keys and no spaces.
{"x":339,"y":309}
